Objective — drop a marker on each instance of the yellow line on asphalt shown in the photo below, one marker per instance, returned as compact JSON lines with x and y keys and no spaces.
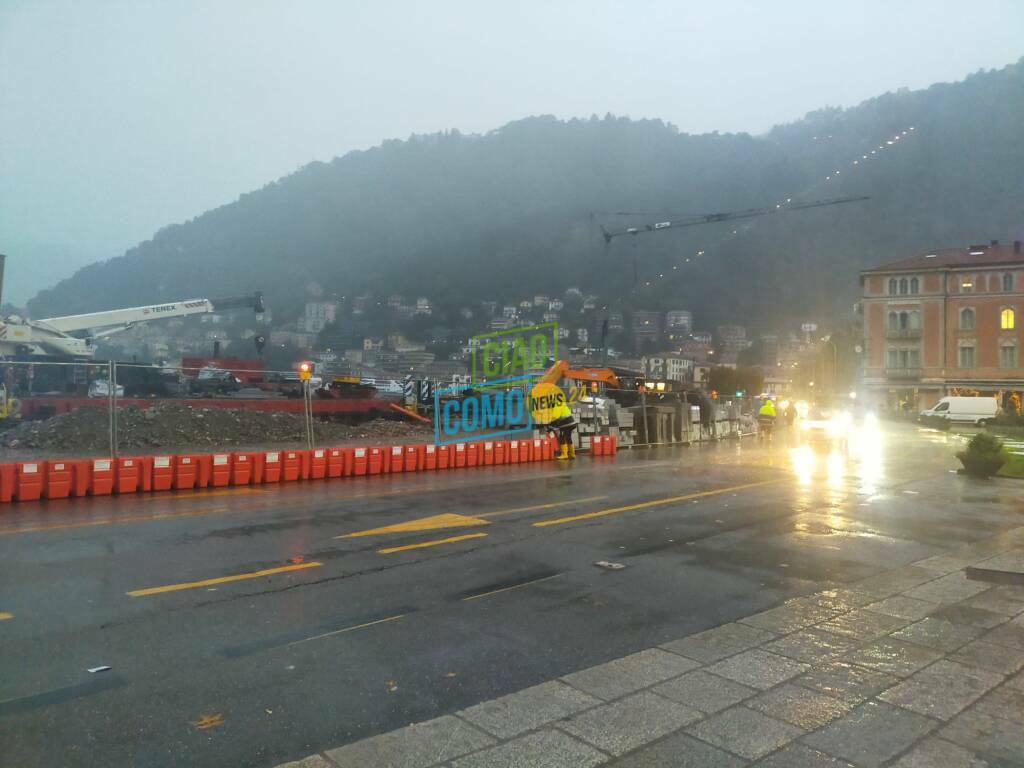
{"x":4,"y":615}
{"x":221,"y":580}
{"x":508,"y":589}
{"x":346,"y":629}
{"x":542,"y":506}
{"x":434,"y":543}
{"x":646,"y":504}
{"x":114,"y":521}
{"x":205,"y":494}
{"x":432,"y":523}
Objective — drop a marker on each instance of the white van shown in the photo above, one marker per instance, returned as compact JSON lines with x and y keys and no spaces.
{"x":971,"y":410}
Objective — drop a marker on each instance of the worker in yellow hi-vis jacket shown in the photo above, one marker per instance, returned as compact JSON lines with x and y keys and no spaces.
{"x":549,"y":409}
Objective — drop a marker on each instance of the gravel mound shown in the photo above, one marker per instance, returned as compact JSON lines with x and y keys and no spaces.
{"x":173,"y":426}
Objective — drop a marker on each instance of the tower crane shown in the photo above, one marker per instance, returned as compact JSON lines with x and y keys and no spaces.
{"x":712,"y":218}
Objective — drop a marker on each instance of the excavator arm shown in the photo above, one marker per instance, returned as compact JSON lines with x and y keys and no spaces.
{"x":561,"y":370}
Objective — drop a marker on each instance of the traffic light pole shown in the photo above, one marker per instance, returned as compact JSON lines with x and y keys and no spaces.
{"x":307,"y":412}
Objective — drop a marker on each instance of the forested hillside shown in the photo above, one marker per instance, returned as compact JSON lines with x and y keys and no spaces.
{"x":459,"y":218}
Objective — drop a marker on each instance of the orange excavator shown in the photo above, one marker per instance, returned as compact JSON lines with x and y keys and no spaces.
{"x":562,"y":370}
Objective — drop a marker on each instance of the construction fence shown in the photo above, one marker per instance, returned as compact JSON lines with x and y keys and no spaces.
{"x":111,"y":408}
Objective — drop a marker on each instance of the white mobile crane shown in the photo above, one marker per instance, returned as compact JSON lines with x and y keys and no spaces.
{"x":74,"y":336}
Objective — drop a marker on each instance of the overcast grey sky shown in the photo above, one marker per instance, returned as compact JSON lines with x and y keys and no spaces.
{"x":117,"y":118}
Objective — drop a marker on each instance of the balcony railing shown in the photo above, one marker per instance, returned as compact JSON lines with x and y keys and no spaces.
{"x":903,"y":373}
{"x":903,"y":333}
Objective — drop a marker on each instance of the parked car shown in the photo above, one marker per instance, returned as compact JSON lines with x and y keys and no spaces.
{"x":214,"y":381}
{"x":101,"y":388}
{"x":967,"y":410}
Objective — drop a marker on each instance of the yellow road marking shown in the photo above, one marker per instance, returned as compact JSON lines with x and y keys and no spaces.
{"x":221,"y":580}
{"x":507,"y":589}
{"x":346,"y":629}
{"x":115,"y":521}
{"x":4,"y":615}
{"x":646,"y":504}
{"x":432,"y":523}
{"x":208,"y":721}
{"x":542,"y":506}
{"x":434,"y":543}
{"x":188,"y":513}
{"x":205,"y":494}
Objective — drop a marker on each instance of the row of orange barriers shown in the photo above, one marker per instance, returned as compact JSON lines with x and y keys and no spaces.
{"x":34,"y":480}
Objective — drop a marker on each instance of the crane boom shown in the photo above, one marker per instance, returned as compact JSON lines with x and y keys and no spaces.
{"x":711,"y":218}
{"x":73,"y":335}
{"x":132,"y":315}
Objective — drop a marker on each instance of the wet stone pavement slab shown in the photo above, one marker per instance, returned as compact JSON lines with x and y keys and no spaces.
{"x":898,"y":681}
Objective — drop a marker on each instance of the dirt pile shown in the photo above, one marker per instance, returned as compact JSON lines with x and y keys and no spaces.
{"x":173,"y":426}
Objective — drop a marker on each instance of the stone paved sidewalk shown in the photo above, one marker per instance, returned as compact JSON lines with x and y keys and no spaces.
{"x":914,"y":668}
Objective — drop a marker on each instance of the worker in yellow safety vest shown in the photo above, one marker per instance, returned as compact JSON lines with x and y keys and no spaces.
{"x":563,"y":424}
{"x":767,"y":409}
{"x":550,"y":410}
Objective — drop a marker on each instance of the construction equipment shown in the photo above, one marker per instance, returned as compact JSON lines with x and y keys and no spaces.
{"x":562,"y":370}
{"x":9,"y":407}
{"x":692,"y":220}
{"x":341,"y":387}
{"x":74,"y":336}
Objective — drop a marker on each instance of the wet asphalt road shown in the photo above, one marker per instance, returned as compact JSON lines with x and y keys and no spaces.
{"x":350,"y":641}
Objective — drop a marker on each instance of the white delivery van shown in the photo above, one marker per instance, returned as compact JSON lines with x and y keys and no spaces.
{"x":971,"y":410}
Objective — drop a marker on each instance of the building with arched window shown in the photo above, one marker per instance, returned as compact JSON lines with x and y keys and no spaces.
{"x":945,"y":322}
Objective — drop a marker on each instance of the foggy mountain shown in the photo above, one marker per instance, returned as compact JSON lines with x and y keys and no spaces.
{"x":460,"y":218}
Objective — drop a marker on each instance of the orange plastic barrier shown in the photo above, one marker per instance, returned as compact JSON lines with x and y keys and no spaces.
{"x":396,"y":458}
{"x":597,"y":445}
{"x":186,"y":472}
{"x":415,"y":458}
{"x":349,"y":465}
{"x":548,"y":448}
{"x":611,"y":445}
{"x":291,"y":466}
{"x":162,"y":473}
{"x":145,"y":474}
{"x":270,"y":467}
{"x":376,"y":463}
{"x":128,"y":474}
{"x":101,"y":476}
{"x":334,"y":465}
{"x":59,"y":478}
{"x":360,"y":461}
{"x":317,"y":464}
{"x":204,"y":471}
{"x":242,"y":468}
{"x":6,"y":482}
{"x":28,"y":480}
{"x":487,"y":453}
{"x":220,"y":470}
